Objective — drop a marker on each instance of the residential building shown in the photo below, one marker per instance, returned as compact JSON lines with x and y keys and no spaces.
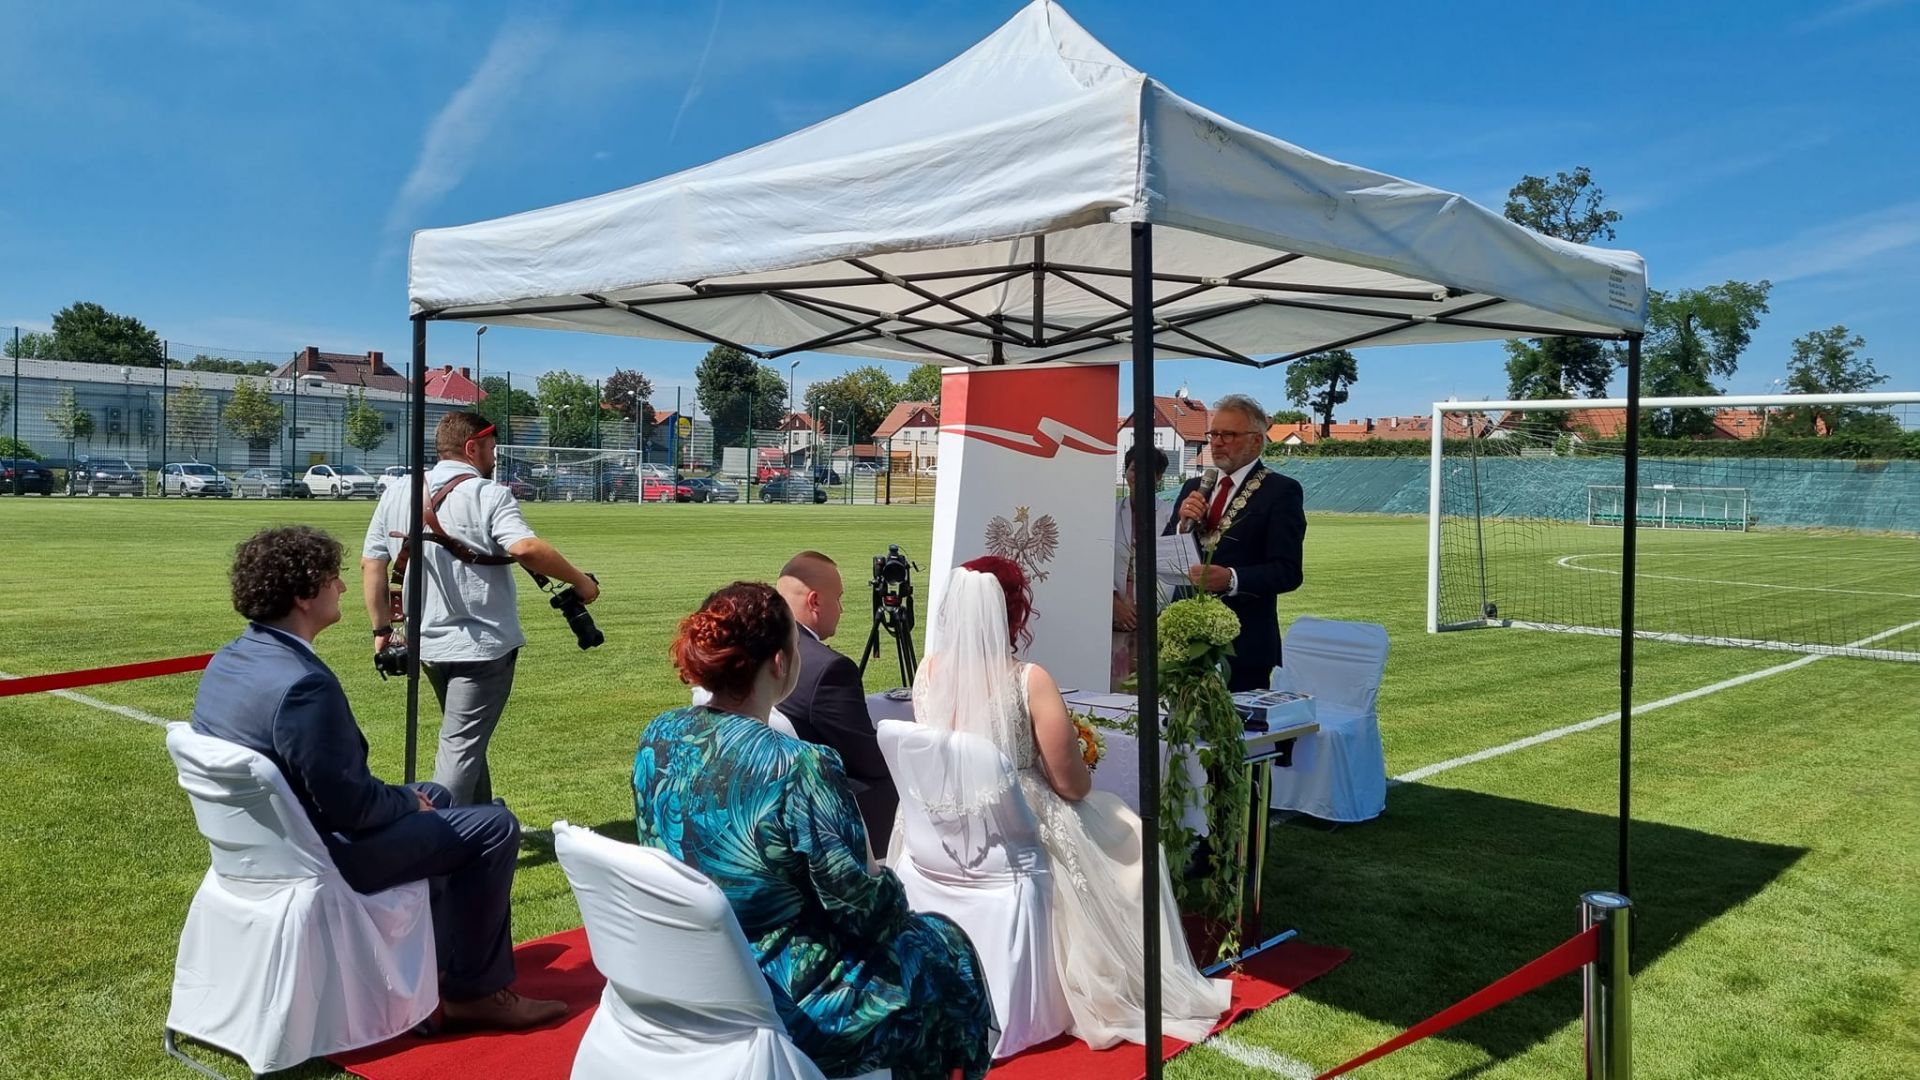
{"x":1179,"y":430}
{"x":912,"y":429}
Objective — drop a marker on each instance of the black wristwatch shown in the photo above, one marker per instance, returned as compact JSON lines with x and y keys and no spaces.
{"x":378,"y":630}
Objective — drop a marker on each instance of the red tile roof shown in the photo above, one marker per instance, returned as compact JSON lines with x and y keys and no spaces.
{"x":370,"y":370}
{"x":908,"y":414}
{"x":449,"y":385}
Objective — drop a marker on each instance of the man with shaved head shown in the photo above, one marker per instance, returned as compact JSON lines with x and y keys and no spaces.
{"x":829,"y":706}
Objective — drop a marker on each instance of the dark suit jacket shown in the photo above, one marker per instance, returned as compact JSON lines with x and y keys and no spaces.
{"x":829,"y":707}
{"x":1263,"y":545}
{"x":267,"y":692}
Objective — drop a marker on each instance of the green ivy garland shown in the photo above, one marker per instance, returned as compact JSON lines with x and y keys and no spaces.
{"x":1196,"y":638}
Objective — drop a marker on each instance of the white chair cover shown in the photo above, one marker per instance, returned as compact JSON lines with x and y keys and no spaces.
{"x":684,"y":997}
{"x":281,"y":960}
{"x":775,"y":719}
{"x":1340,"y":772}
{"x":988,"y":873}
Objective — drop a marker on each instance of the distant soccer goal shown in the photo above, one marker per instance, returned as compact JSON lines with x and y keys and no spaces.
{"x":1671,"y":506}
{"x":1750,"y":535}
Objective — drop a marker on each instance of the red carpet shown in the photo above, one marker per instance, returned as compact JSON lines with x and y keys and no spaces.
{"x":560,"y":967}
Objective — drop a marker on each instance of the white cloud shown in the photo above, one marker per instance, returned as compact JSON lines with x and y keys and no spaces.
{"x":1847,"y":244}
{"x":455,"y":136}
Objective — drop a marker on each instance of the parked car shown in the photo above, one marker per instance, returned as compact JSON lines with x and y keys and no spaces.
{"x":26,"y":476}
{"x":392,"y":474}
{"x":869,"y":468}
{"x":268,"y":484}
{"x":185,"y":478}
{"x":656,"y":470}
{"x":340,"y":482}
{"x":654,"y":489}
{"x":709,"y":489}
{"x":523,"y":486}
{"x":104,"y":476}
{"x":769,"y":473}
{"x":825,"y":475}
{"x":788,"y":489}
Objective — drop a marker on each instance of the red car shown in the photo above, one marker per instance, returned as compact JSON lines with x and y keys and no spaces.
{"x":770,"y":472}
{"x":653,"y":489}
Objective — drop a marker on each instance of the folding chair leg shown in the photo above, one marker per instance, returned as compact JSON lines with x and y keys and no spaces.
{"x":173,"y":1050}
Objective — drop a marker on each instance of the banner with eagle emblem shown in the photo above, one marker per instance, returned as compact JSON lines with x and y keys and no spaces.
{"x":1026,"y":473}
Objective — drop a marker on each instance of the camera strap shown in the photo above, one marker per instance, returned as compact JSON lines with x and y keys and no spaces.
{"x":429,"y":515}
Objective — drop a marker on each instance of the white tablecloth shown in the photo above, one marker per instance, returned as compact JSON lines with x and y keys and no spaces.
{"x":1119,"y":769}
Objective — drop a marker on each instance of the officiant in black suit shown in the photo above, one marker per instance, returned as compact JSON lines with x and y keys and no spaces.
{"x":1254,"y":527}
{"x":829,"y":704}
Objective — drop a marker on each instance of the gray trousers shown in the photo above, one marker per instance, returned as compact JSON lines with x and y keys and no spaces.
{"x":472,"y":696}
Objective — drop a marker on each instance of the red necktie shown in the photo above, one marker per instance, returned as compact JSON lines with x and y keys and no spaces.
{"x":1219,"y":503}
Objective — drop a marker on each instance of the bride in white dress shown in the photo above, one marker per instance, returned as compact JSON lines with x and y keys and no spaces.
{"x":974,"y":683}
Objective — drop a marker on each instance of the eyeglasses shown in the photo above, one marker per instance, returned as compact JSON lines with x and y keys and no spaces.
{"x":1229,"y":434}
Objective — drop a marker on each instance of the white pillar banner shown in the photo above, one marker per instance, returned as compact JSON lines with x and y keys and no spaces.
{"x":1026,"y":472}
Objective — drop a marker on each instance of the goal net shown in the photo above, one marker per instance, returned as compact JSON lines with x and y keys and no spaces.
{"x":583,"y":474}
{"x":1779,"y":522}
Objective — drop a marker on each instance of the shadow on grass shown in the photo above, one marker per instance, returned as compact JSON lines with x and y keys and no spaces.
{"x":536,"y":848}
{"x":1454,"y":889}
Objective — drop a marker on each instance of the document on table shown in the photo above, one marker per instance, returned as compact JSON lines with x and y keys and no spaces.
{"x":1175,"y":555}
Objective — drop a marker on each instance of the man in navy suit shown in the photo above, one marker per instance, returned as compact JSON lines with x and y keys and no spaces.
{"x":828,"y":705}
{"x":268,"y":691}
{"x":1255,"y":529}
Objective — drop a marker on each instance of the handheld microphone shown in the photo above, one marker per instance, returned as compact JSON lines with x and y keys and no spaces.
{"x":1208,"y":481}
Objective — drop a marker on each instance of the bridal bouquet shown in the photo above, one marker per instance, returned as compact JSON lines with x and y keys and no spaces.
{"x":1196,"y":638}
{"x":1093,"y":745}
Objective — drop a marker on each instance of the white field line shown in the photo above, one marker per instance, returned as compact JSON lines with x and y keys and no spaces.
{"x":127,"y":711}
{"x":1259,"y":1057}
{"x":1599,"y":721}
{"x":1566,"y":562}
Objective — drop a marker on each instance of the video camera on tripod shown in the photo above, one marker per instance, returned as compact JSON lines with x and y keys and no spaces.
{"x":892,"y":611}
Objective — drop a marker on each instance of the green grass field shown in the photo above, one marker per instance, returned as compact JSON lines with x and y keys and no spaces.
{"x":1817,"y":588}
{"x":1777,"y":846}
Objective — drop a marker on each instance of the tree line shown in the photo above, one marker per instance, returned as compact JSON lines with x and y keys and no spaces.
{"x":1694,"y":336}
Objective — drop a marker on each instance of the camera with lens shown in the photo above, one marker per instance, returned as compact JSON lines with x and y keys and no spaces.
{"x":391,"y":658}
{"x":891,"y":570}
{"x":892,"y":610}
{"x":568,"y":603}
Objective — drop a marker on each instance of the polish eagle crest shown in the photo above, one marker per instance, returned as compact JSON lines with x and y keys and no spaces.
{"x":1026,"y":540}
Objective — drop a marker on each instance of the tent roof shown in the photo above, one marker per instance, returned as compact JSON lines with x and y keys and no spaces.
{"x":980,"y":215}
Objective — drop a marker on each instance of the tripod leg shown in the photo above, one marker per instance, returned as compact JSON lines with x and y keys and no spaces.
{"x":873,"y":645}
{"x":908,"y":665}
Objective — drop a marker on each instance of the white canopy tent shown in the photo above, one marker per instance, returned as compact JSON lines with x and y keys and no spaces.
{"x":980,"y":214}
{"x":1035,"y":200}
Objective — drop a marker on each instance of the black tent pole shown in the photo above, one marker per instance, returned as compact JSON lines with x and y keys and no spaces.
{"x":1628,"y":547}
{"x":1146,"y":648}
{"x":416,"y":581}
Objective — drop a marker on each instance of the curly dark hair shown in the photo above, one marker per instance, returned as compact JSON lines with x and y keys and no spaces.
{"x":723,"y":646}
{"x":275,"y":567}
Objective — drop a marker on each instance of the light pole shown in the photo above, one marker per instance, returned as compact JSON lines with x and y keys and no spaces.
{"x":792,"y":410}
{"x":477,"y":335}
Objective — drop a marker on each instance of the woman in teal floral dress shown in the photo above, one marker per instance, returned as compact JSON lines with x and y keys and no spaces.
{"x":861,"y":982}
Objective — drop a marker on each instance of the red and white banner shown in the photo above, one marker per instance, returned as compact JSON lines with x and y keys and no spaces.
{"x":1026,"y":472}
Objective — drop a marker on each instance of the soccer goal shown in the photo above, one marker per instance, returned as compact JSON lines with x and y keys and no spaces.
{"x":1772,"y":522}
{"x":582,"y":474}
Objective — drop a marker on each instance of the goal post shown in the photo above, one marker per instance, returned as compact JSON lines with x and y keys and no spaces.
{"x":1785,"y":522}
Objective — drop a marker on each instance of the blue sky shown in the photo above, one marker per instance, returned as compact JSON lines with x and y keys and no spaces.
{"x":244,"y":177}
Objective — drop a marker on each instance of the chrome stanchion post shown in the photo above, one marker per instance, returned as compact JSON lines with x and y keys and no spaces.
{"x":1608,"y":986}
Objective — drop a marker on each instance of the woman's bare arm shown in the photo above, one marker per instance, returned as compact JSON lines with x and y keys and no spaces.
{"x":1054,"y":734}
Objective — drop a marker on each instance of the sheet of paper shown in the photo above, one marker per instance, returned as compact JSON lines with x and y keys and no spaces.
{"x":1174,"y":555}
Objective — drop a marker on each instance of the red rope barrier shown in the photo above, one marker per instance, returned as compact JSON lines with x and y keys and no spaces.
{"x":1569,"y":956}
{"x":67,"y":680}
